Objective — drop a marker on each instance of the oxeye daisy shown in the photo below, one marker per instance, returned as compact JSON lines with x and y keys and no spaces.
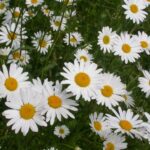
{"x":98,"y":123}
{"x":3,"y":6}
{"x":21,"y":57}
{"x":125,"y":122}
{"x":106,"y":39}
{"x":114,"y":142}
{"x":83,"y":55}
{"x":144,"y":83}
{"x":127,"y":47}
{"x":61,"y":131}
{"x":46,"y":11}
{"x":82,"y":79}
{"x":73,"y":39}
{"x":57,"y":103}
{"x":57,"y":22}
{"x":67,"y":2}
{"x":5,"y":51}
{"x":33,"y":3}
{"x":110,"y":91}
{"x":24,"y":112}
{"x":42,"y":42}
{"x":10,"y":34}
{"x":128,"y":100}
{"x":144,"y":40}
{"x":134,"y":10}
{"x":12,"y":80}
{"x":69,"y":13}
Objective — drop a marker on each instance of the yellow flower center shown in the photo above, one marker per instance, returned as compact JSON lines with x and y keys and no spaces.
{"x":54,"y":101}
{"x":57,"y":23}
{"x":110,"y":146}
{"x":34,"y":1}
{"x":82,"y":79}
{"x":125,"y":97}
{"x":84,"y":58}
{"x":126,"y":48}
{"x":16,"y":55}
{"x":107,"y":91}
{"x":11,"y":84}
{"x":27,"y":111}
{"x":144,"y":44}
{"x":12,"y":36}
{"x":97,"y":125}
{"x":42,"y":43}
{"x":16,"y":14}
{"x":73,"y":39}
{"x":126,"y":125}
{"x":134,"y":8}
{"x":106,"y":39}
{"x":61,"y":131}
{"x":2,"y":5}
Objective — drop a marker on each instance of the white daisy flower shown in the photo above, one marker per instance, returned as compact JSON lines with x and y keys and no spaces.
{"x":57,"y":22}
{"x":125,"y":122}
{"x":12,"y":80}
{"x":98,"y":123}
{"x":83,"y":55}
{"x":127,"y":47}
{"x":46,"y":11}
{"x":134,"y":10}
{"x":21,"y":57}
{"x":144,"y":41}
{"x":24,"y":112}
{"x":57,"y":103}
{"x":115,"y":142}
{"x":144,"y":83}
{"x":33,"y":3}
{"x":106,"y":39}
{"x":67,"y":2}
{"x":42,"y":42}
{"x":3,"y":6}
{"x":61,"y":131}
{"x":11,"y":35}
{"x":110,"y":91}
{"x":73,"y":39}
{"x":82,"y":79}
{"x":70,"y":13}
{"x":5,"y":51}
{"x":128,"y":100}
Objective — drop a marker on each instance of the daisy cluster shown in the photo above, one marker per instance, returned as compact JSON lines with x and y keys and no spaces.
{"x":32,"y":102}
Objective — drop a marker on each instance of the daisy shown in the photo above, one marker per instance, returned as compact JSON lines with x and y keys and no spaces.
{"x":57,"y":103}
{"x":21,"y":57}
{"x":134,"y":10}
{"x":3,"y":6}
{"x":127,"y":47}
{"x":128,"y":100}
{"x":11,"y":35}
{"x":98,"y":123}
{"x":83,"y":55}
{"x":82,"y":79}
{"x":125,"y":122}
{"x":144,"y":83}
{"x":144,"y":41}
{"x":61,"y":131}
{"x":46,"y":11}
{"x":58,"y":23}
{"x":12,"y":80}
{"x":42,"y":42}
{"x":106,"y":39}
{"x":115,"y":142}
{"x":33,"y":3}
{"x":5,"y":51}
{"x":73,"y":39}
{"x":110,"y":91}
{"x":70,"y":13}
{"x":24,"y":112}
{"x":67,"y":2}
